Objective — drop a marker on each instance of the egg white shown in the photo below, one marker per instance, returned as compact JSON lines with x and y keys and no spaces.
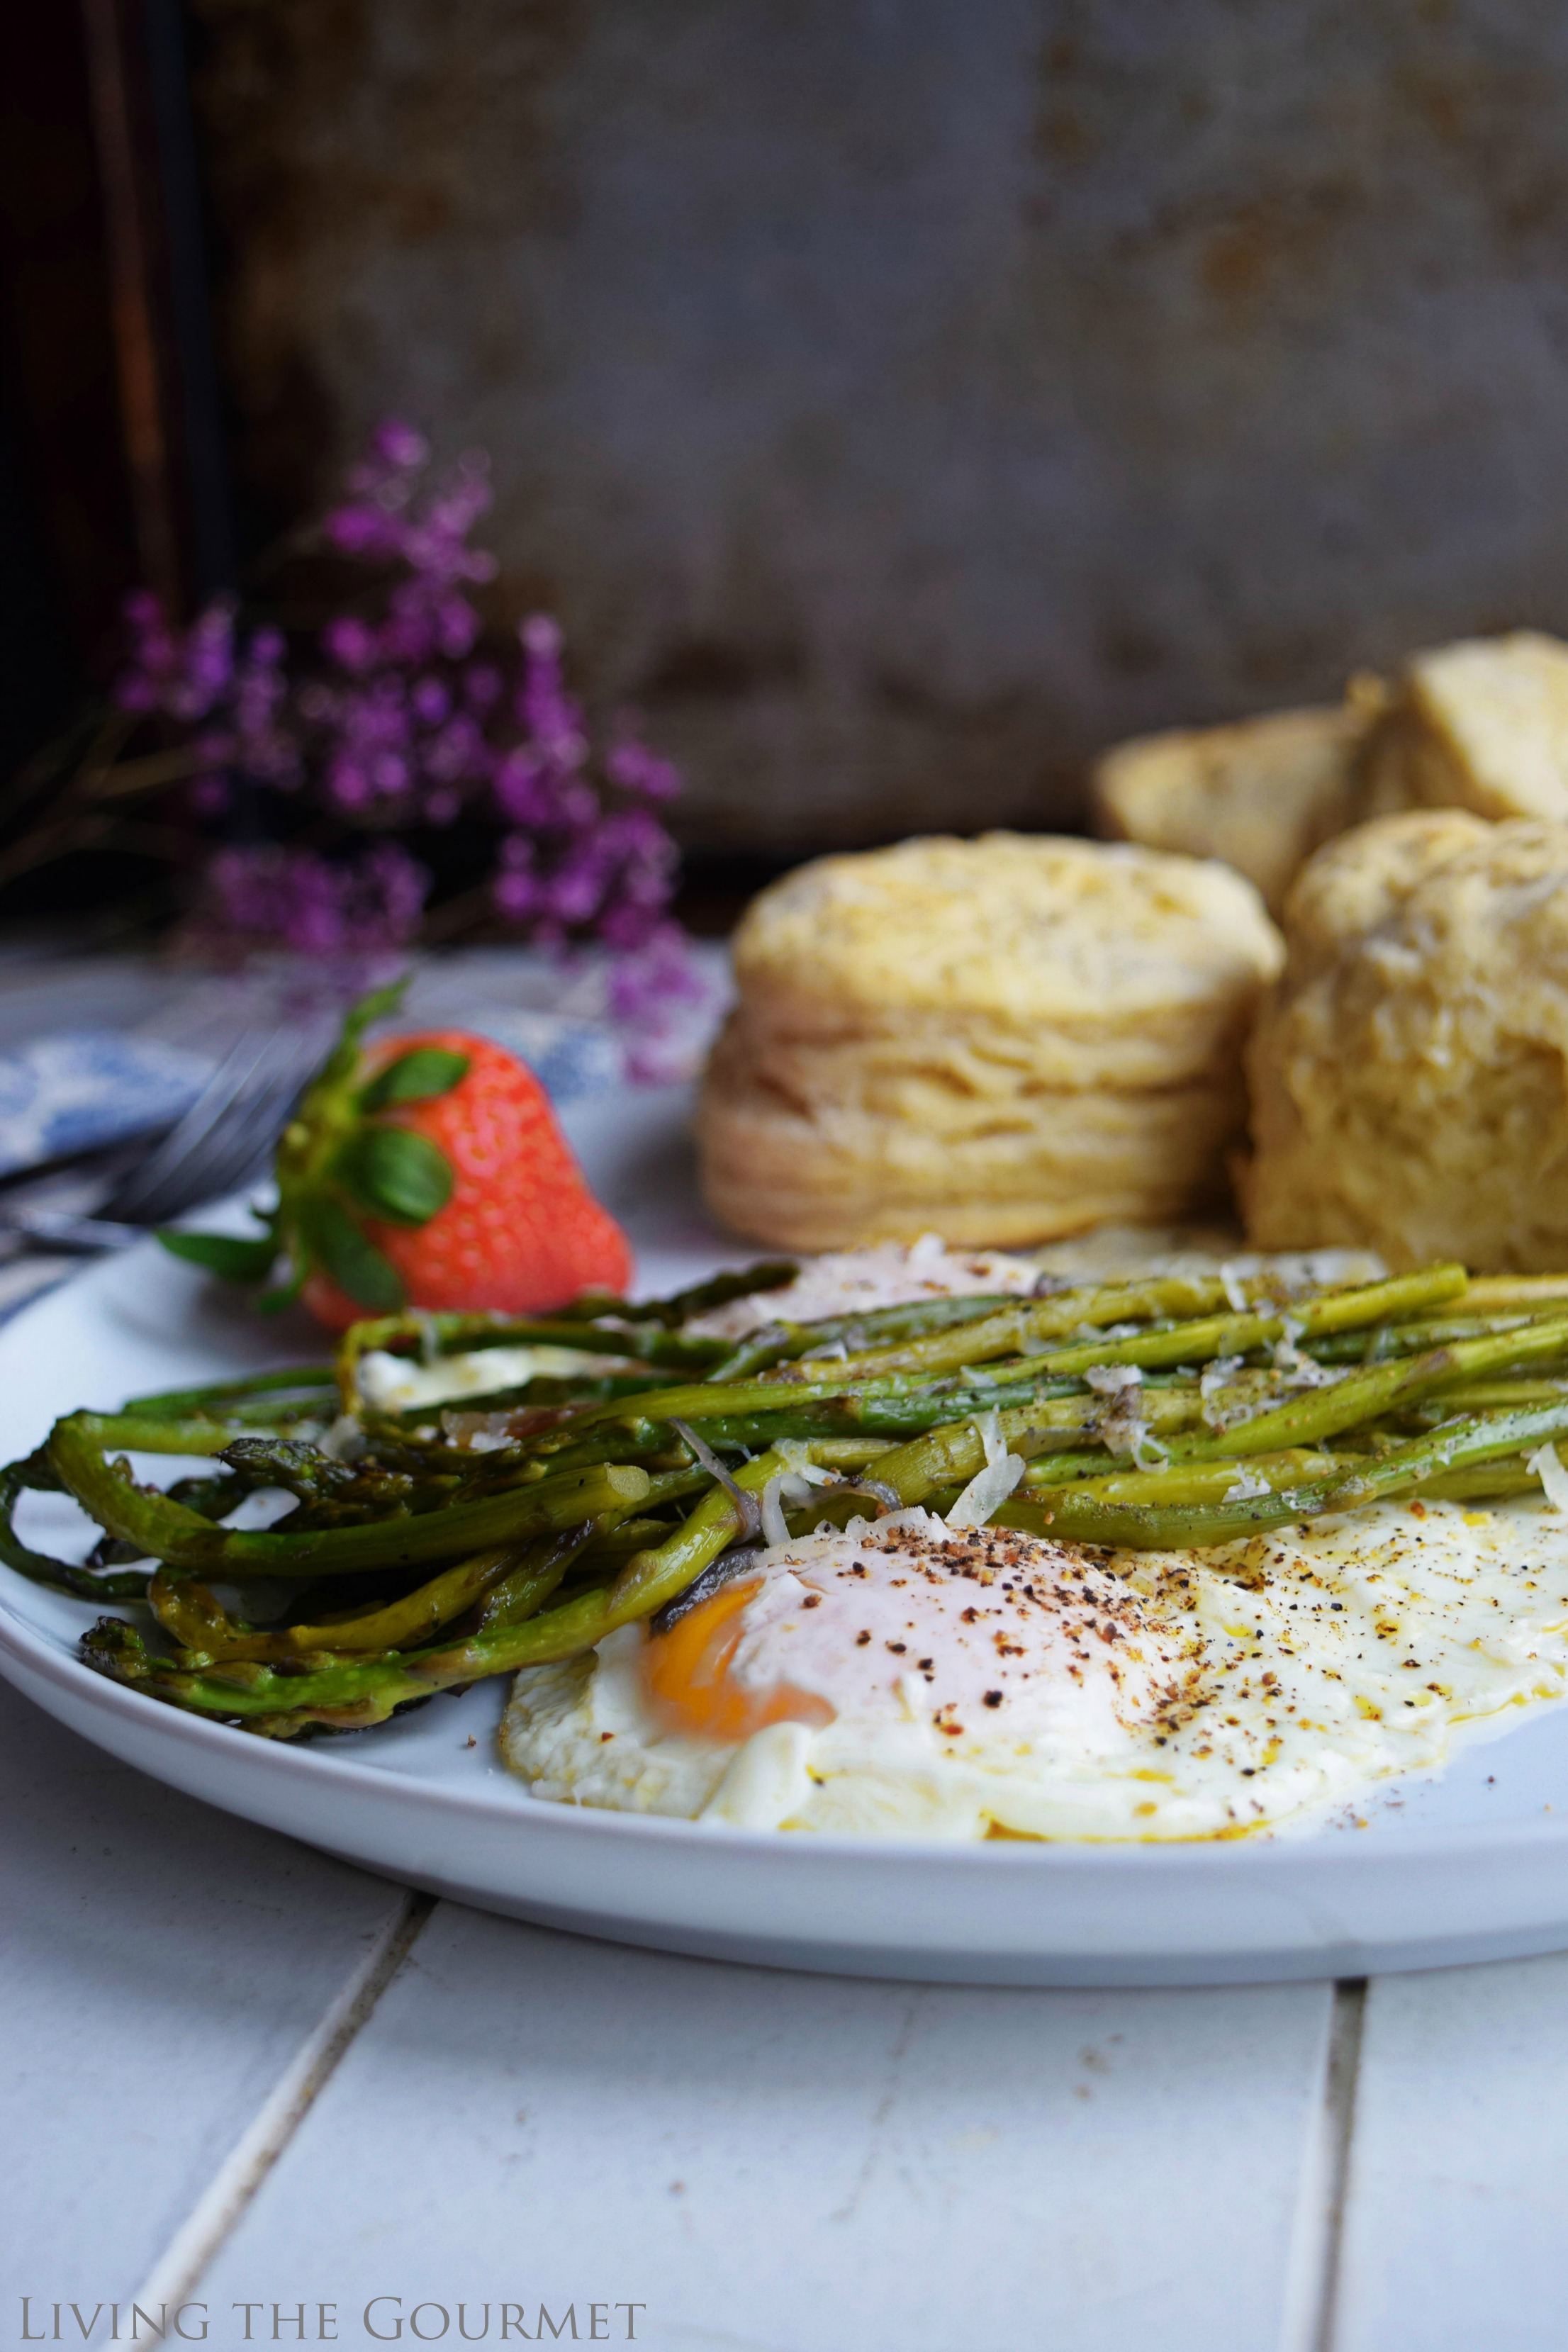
{"x":1087,"y":1695}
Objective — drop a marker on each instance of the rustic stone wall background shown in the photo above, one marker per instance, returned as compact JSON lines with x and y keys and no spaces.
{"x":899,"y":399}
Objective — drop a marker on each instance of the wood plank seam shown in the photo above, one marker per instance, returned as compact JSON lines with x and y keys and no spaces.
{"x":177,"y":2274}
{"x":1312,"y":2280}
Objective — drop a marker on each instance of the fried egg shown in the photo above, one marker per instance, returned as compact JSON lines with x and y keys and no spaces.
{"x":905,"y":1678}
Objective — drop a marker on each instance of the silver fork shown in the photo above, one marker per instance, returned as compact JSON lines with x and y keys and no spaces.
{"x":222,"y":1143}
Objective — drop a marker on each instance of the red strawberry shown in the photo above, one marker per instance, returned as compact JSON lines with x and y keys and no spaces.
{"x":520,"y":1231}
{"x":428,"y":1171}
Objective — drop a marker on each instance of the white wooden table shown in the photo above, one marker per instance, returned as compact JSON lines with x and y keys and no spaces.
{"x":251,"y":2084}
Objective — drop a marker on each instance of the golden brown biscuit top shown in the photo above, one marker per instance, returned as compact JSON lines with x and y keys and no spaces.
{"x":1500,"y":705}
{"x":1260,"y":793}
{"x":1407,"y":1073}
{"x":1439,"y":895}
{"x":1357,"y":881}
{"x":1028,"y":927}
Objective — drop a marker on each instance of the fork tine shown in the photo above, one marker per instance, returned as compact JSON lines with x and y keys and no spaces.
{"x":209,"y":1173}
{"x":237,"y":1147}
{"x":242,"y":1148}
{"x":227,"y":1082}
{"x":229,"y":1138}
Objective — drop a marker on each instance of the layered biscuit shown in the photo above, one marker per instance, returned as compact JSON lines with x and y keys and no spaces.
{"x":1482,"y":724}
{"x":1261,"y":795}
{"x":1409,"y":1072}
{"x":1479,"y":725}
{"x":1003,"y":1040}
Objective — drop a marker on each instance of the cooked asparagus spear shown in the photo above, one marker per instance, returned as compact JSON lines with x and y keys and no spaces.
{"x":451,"y":1543}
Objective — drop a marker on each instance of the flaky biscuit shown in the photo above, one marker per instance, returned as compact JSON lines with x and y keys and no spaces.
{"x":814,"y":1175}
{"x":1106,"y":965}
{"x":954,"y":1075}
{"x":1260,"y":793}
{"x":886,"y":1063}
{"x":1357,"y":883}
{"x":1004,"y":1040}
{"x":1409,"y":1072}
{"x":1481,"y":725}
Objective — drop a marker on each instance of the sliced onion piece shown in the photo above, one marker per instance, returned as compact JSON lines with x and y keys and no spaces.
{"x":747,"y":1504}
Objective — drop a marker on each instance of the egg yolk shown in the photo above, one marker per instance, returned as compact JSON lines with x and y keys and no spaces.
{"x":688,"y":1682}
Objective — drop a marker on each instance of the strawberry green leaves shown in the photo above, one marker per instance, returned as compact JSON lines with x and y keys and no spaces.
{"x":378,"y":1004}
{"x":237,"y":1257}
{"x":329,"y":1233}
{"x":396,"y":1173}
{"x":342,"y":1065}
{"x":417,"y":1076}
{"x":341,"y":1162}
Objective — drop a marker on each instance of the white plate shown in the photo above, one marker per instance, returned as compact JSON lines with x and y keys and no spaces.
{"x":1471,"y":1866}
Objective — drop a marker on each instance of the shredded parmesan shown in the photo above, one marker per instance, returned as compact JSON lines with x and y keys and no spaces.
{"x":1247,"y":1487}
{"x":1302,"y":1372}
{"x":346,"y":1441}
{"x":987,"y":1427}
{"x":855,"y":1281}
{"x":392,"y":1383}
{"x":1230,"y":1282}
{"x":987,"y":1492}
{"x":1547,"y":1464}
{"x":1214,"y":1376}
{"x":1122,"y":1431}
{"x":794,"y":1452}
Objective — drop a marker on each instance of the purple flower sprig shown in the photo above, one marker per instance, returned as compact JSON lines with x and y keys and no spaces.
{"x":567,"y":862}
{"x":393,"y":716}
{"x":336,"y":910}
{"x":229,"y":697}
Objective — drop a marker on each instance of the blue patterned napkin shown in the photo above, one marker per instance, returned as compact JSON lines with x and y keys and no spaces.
{"x":570,"y":1058}
{"x":83,"y":1089}
{"x":87,"y":1087}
